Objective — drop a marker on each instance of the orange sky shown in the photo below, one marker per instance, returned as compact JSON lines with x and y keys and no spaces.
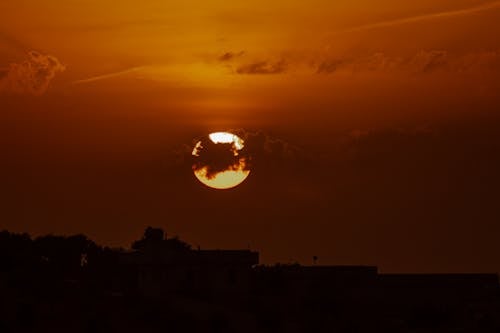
{"x":323,"y":51}
{"x":93,"y":123}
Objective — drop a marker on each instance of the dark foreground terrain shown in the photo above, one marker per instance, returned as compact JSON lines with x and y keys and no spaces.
{"x":70,"y":284}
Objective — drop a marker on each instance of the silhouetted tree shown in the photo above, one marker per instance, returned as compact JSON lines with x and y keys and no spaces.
{"x":175,"y":244}
{"x":63,"y":253}
{"x":151,"y":239}
{"x":154,"y":240}
{"x":15,"y":250}
{"x":154,"y":234}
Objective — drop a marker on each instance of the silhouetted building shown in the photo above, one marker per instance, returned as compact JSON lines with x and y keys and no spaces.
{"x":164,"y":285}
{"x":196,"y":272}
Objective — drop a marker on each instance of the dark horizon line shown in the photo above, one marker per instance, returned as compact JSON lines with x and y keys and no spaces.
{"x":189,"y":247}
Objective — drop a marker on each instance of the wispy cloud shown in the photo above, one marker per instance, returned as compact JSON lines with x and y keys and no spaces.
{"x":427,"y":61}
{"x":420,"y":18}
{"x":228,"y":56}
{"x":424,"y":61}
{"x":108,"y":75}
{"x":33,"y":76}
{"x":263,"y":67}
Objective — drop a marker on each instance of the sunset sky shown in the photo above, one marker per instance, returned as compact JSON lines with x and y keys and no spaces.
{"x":373,"y":126}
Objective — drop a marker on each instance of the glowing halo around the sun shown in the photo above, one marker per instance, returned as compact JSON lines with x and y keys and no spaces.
{"x":235,"y":174}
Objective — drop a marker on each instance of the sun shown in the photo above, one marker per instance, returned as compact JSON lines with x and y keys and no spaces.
{"x":220,"y":161}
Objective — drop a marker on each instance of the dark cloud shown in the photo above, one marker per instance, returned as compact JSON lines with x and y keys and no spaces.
{"x":261,"y":150}
{"x":427,"y":61}
{"x":33,"y":76}
{"x":228,"y":56}
{"x":375,"y":62}
{"x":329,"y":66}
{"x":261,"y":144}
{"x":263,"y":67}
{"x":424,"y":61}
{"x":219,"y":157}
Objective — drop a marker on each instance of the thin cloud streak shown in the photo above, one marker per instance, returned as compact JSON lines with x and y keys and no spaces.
{"x":420,"y":18}
{"x":108,"y":76}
